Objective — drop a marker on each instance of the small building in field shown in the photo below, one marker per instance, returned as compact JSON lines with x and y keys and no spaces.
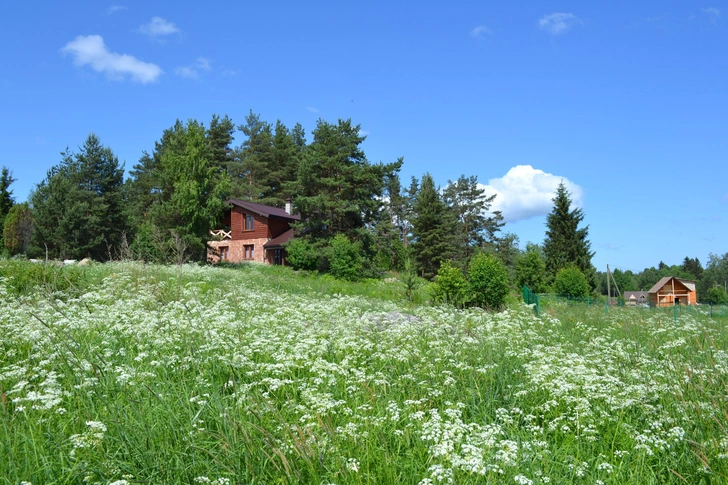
{"x":673,"y":291}
{"x":252,"y":232}
{"x":636,"y":298}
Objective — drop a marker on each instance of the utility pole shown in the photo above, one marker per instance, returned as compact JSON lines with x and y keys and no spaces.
{"x":609,"y":289}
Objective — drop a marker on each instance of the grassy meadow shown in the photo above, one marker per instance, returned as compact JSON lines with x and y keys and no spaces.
{"x":126,"y":373}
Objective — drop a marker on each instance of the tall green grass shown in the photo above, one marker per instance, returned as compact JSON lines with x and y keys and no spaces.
{"x":148,"y":374}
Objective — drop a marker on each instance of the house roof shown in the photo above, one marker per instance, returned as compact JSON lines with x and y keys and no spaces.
{"x":264,"y":210}
{"x":628,"y":295}
{"x":280,"y":240}
{"x":663,"y":281}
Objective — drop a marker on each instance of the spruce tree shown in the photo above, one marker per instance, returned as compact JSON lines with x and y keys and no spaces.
{"x":432,"y":229}
{"x":565,"y":244}
{"x":78,"y":208}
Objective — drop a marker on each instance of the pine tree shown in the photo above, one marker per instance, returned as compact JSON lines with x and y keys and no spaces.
{"x":432,"y":229}
{"x":565,"y":244}
{"x":251,"y":165}
{"x":337,"y":190}
{"x":78,"y":208}
{"x":476,"y":225}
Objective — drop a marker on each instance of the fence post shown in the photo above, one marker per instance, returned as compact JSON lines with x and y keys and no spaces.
{"x":606,"y":307}
{"x":674,"y":310}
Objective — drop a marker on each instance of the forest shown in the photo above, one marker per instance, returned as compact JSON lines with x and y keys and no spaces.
{"x":358,"y":218}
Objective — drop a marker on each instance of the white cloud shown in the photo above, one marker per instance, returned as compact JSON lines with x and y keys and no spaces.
{"x":158,"y":27}
{"x":203,"y":63}
{"x":114,"y":8}
{"x":312,"y":109}
{"x":525,"y":192}
{"x":186,"y":72}
{"x":90,"y":50}
{"x":558,"y":22}
{"x":480,"y":31}
{"x":192,"y":71}
{"x":711,"y":11}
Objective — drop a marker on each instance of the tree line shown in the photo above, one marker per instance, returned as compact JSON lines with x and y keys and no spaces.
{"x":358,"y":218}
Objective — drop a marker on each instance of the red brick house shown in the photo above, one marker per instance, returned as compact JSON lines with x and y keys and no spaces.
{"x":671,"y":290}
{"x":252,"y":232}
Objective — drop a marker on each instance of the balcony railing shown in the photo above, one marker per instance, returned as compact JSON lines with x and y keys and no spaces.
{"x":220,"y":234}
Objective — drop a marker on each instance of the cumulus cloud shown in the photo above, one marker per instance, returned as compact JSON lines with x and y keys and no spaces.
{"x":526,"y":192}
{"x":158,"y":27}
{"x":480,"y":31}
{"x":712,"y":11}
{"x":192,"y":71}
{"x":114,"y":9}
{"x":558,"y":22}
{"x":90,"y":50}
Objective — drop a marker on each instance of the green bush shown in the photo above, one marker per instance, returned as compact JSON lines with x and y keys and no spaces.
{"x":345,"y":259}
{"x":488,"y":282}
{"x":450,"y":285}
{"x":717,"y":296}
{"x":302,"y":255}
{"x":570,"y":282}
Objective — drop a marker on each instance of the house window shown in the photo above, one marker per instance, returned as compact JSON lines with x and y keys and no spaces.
{"x":249,"y":222}
{"x":224,"y":253}
{"x":249,"y":251}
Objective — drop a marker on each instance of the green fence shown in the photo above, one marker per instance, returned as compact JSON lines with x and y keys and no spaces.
{"x":532,"y":298}
{"x":548,"y":301}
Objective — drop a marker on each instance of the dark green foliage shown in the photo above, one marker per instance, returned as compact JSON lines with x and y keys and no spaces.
{"x":6,"y":198}
{"x":565,"y":243}
{"x":531,"y":271}
{"x":177,"y":194}
{"x":488,"y":282}
{"x":432,"y":229}
{"x":78,"y":208}
{"x":345,"y":259}
{"x":338,"y":189}
{"x":570,"y":282}
{"x":251,"y":164}
{"x":18,"y":229}
{"x":450,"y":286}
{"x":388,"y":230}
{"x":693,"y":267}
{"x":475,"y":225}
{"x":301,"y":254}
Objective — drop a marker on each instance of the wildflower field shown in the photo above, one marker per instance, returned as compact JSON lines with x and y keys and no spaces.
{"x":126,"y":373}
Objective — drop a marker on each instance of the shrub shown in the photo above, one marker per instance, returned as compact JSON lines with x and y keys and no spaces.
{"x":488,"y":281}
{"x":571,"y":282}
{"x":716,"y":296}
{"x":302,"y":255}
{"x":450,"y":285}
{"x":345,"y":259}
{"x":531,"y":271}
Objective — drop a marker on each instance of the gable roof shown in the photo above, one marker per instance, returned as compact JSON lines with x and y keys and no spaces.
{"x":663,"y":281}
{"x":264,"y":210}
{"x":628,"y":295}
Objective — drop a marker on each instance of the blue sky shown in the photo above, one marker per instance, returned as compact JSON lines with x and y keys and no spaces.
{"x":627,"y":102}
